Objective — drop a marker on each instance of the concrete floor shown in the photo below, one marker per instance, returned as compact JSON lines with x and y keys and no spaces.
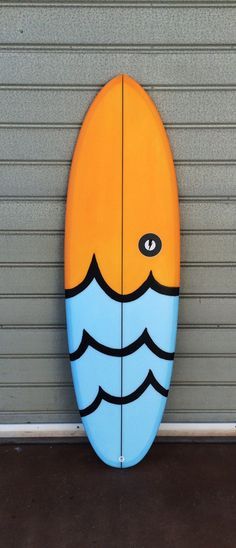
{"x":62,"y":496}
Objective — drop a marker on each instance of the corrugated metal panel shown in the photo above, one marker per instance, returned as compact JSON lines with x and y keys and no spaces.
{"x":53,"y":59}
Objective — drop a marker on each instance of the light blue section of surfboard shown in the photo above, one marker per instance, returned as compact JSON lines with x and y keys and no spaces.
{"x":137,"y":365}
{"x":158,"y":313}
{"x":95,"y":312}
{"x":141,"y":420}
{"x":94,"y":369}
{"x":100,"y":316}
{"x":103,"y":428}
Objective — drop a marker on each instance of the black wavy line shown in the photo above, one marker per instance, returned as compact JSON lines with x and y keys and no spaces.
{"x":145,"y":338}
{"x":150,"y":380}
{"x":94,"y":273}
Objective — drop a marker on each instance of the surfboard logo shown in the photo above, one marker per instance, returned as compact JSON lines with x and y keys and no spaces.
{"x":122,"y":286}
{"x":150,"y":245}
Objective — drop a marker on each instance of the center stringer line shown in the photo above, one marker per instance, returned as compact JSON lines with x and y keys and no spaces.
{"x":122,"y":274}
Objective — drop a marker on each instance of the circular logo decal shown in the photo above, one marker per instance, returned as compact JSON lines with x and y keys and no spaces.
{"x":150,"y":245}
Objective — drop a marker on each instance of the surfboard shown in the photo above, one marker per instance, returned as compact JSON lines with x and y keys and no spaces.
{"x":122,"y":271}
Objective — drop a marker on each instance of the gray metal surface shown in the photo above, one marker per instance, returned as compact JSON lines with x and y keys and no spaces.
{"x":68,"y":106}
{"x":166,"y":66}
{"x":43,"y":214}
{"x":35,"y":179}
{"x":46,"y":143}
{"x":37,"y":248}
{"x":47,"y":279}
{"x":117,"y":25}
{"x":50,"y":310}
{"x":53,"y":59}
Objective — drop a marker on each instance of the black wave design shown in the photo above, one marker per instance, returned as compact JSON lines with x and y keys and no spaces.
{"x":87,"y":340}
{"x":150,"y":380}
{"x":94,"y":273}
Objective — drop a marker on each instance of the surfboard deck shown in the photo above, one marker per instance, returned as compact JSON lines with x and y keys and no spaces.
{"x":122,"y":268}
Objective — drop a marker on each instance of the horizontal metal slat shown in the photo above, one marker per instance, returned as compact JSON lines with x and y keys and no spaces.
{"x":59,"y":399}
{"x":57,"y":417}
{"x":56,"y":370}
{"x":49,"y":215}
{"x":50,"y":311}
{"x":52,"y":180}
{"x":197,"y":340}
{"x":117,"y":24}
{"x":58,"y":143}
{"x":58,"y":106}
{"x":48,"y":248}
{"x":84,"y":67}
{"x":44,"y":280}
{"x":64,"y":417}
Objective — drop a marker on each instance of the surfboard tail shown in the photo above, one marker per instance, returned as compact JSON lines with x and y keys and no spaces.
{"x":114,"y":412}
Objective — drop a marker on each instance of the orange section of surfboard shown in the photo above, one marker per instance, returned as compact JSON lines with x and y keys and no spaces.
{"x":121,"y":138}
{"x":122,"y":270}
{"x":93,"y":212}
{"x":150,"y":200}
